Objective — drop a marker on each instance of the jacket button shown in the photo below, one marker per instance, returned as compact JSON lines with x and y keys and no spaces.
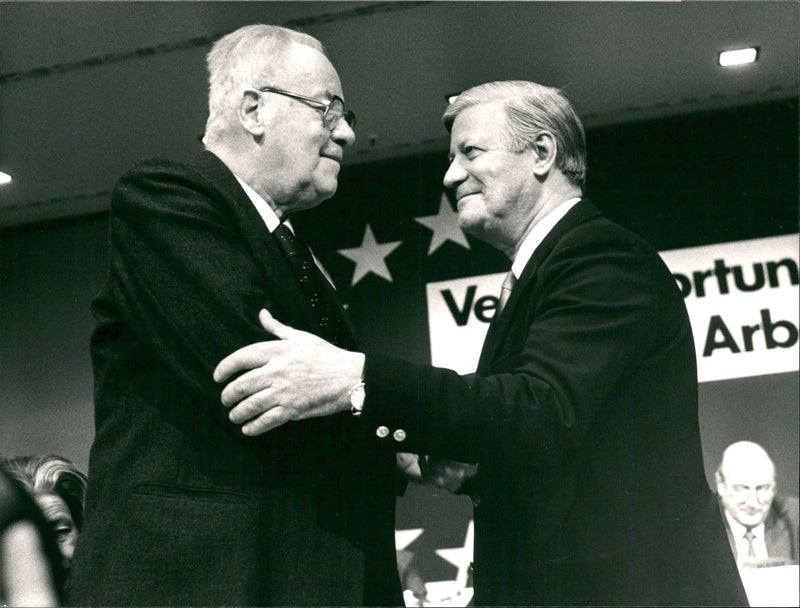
{"x":476,"y":500}
{"x":399,"y":435}
{"x":382,"y":431}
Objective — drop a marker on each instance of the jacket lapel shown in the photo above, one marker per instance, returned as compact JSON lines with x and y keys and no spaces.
{"x":526,"y":287}
{"x":778,"y":535}
{"x":262,"y":244}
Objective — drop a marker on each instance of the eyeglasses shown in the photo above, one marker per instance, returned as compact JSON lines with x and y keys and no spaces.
{"x":741,"y":493}
{"x":332,"y":111}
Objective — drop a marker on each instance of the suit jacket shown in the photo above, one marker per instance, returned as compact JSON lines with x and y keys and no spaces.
{"x":781,"y":530}
{"x":583,"y":418}
{"x":182,"y":508}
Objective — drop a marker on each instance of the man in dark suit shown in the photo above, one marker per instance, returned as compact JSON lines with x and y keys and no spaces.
{"x":182,"y":508}
{"x":582,"y":415}
{"x":762,"y":527}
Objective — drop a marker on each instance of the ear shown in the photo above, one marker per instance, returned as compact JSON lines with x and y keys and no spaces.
{"x":249,"y":116}
{"x":546,"y":149}
{"x":720,"y":482}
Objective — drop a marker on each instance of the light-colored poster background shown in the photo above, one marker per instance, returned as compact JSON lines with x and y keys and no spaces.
{"x":459,"y":310}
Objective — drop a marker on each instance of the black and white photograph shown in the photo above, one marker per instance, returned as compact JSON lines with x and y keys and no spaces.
{"x":435,"y":303}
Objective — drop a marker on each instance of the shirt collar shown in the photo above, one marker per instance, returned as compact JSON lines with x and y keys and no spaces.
{"x":739,"y":530}
{"x":264,"y":209}
{"x":538,"y":234}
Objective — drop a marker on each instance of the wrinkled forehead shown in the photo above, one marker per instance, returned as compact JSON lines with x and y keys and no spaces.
{"x":483,"y":124}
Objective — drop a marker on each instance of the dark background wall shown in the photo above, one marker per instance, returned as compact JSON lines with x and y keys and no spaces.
{"x":685,"y":181}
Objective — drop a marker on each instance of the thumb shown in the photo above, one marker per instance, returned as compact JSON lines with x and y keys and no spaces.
{"x":275,"y":327}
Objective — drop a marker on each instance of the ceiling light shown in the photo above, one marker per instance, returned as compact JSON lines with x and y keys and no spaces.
{"x":738,"y":56}
{"x":5,"y":178}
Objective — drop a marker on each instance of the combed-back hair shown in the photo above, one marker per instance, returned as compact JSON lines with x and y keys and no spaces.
{"x":531,"y":109}
{"x":248,"y":57}
{"x":51,"y":474}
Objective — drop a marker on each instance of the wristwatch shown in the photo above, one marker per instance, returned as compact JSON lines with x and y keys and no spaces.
{"x":357,"y":396}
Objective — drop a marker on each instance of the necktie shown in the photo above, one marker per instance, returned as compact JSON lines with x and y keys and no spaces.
{"x":315,"y":287}
{"x":505,"y":290}
{"x":749,"y":536}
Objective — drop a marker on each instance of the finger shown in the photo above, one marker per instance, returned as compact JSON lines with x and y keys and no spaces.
{"x":267,"y":421}
{"x":284,"y":332}
{"x":252,"y":407}
{"x":246,"y":358}
{"x":273,"y":326}
{"x":244,"y":386}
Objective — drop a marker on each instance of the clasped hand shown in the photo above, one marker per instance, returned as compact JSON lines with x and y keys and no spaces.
{"x":297,"y":376}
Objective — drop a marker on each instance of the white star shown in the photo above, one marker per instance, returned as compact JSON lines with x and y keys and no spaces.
{"x":460,"y":557}
{"x":444,"y":226}
{"x":370,"y":257}
{"x":403,"y":538}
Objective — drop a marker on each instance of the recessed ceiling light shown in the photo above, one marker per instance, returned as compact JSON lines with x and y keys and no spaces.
{"x":5,"y":178}
{"x":738,"y":56}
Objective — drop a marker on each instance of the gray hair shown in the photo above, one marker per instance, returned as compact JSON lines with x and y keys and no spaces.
{"x":51,"y":474}
{"x":531,"y":109}
{"x":248,"y":57}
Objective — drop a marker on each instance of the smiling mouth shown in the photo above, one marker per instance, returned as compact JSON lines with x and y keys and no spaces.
{"x":464,"y":196}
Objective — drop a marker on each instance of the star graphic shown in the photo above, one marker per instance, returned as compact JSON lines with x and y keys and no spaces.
{"x":444,"y":226}
{"x":460,"y":557}
{"x":403,"y":538}
{"x":370,"y":257}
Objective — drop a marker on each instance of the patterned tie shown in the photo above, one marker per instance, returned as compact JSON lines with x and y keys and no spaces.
{"x":315,"y":287}
{"x":505,"y":290}
{"x":749,"y":536}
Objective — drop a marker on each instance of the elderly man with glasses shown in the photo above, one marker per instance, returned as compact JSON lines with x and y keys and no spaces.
{"x":762,"y":527}
{"x":182,"y":508}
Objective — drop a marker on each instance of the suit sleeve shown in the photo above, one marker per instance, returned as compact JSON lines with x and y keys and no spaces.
{"x":596,"y":313}
{"x":181,"y":277}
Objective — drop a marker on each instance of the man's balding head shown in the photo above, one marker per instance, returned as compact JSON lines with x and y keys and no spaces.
{"x":746,"y":482}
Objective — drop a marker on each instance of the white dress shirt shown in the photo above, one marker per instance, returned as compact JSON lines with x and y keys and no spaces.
{"x":272,"y":221}
{"x":538,"y":234}
{"x":264,"y":209}
{"x":742,"y":546}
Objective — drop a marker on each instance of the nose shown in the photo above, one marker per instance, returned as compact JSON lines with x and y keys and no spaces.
{"x":752,"y":499}
{"x":343,"y":134}
{"x":454,"y":175}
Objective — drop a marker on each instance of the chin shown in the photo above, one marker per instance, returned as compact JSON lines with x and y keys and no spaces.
{"x":752,"y":520}
{"x":324,"y":194}
{"x":326,"y":188}
{"x":469,"y":225}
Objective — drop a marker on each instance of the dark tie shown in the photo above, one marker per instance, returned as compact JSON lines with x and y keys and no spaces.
{"x":749,"y":536}
{"x":315,"y":287}
{"x":505,"y":290}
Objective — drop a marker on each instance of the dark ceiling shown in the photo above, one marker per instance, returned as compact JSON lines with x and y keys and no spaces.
{"x":88,"y":88}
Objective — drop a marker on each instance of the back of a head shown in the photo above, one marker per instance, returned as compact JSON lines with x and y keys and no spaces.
{"x":247,"y":57}
{"x":531,"y":109}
